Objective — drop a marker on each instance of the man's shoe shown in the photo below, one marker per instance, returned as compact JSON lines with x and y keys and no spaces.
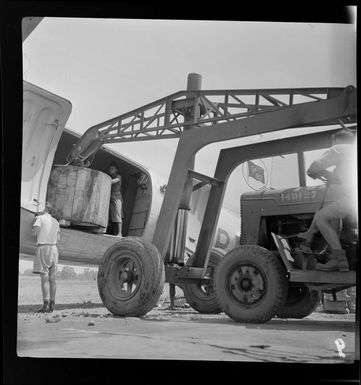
{"x":51,"y":306}
{"x":44,"y":308}
{"x":331,"y":265}
{"x":322,"y":257}
{"x":338,"y":262}
{"x":340,"y":256}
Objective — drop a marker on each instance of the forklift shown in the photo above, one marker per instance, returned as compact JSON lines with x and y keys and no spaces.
{"x":197,"y":118}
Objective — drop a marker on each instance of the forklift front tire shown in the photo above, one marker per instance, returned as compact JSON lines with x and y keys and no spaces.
{"x":131,"y":277}
{"x":250,"y":284}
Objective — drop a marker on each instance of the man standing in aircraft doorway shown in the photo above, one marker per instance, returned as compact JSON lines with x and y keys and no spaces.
{"x":116,"y":200}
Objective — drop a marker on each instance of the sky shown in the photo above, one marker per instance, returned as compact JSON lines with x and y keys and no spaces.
{"x":107,"y":67}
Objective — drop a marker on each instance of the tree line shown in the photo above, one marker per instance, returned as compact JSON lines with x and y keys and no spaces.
{"x":68,"y":272}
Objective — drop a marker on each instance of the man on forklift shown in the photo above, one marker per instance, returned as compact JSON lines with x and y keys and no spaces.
{"x":343,"y":181}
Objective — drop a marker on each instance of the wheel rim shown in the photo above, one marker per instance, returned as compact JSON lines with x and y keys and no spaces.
{"x":247,"y":284}
{"x":125,"y":276}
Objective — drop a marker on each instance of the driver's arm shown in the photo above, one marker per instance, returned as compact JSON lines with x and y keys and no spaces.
{"x":315,"y":171}
{"x":318,"y":168}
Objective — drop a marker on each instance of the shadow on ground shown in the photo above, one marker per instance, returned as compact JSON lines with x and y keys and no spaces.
{"x":305,"y":324}
{"x":274,"y":324}
{"x":287,"y":324}
{"x":61,"y":306}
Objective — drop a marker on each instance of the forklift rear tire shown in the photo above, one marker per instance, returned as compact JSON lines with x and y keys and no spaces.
{"x":201,"y":296}
{"x":300,"y":302}
{"x":131,"y":277}
{"x":250,"y":284}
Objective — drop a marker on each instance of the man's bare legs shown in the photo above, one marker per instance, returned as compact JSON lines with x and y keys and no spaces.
{"x":45,"y":289}
{"x":48,"y":288}
{"x":325,"y":219}
{"x":52,"y":287}
{"x":118,"y":229}
{"x":45,"y":286}
{"x":308,"y":235}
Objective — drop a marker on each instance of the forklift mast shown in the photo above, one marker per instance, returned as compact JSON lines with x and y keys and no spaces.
{"x":200,"y":117}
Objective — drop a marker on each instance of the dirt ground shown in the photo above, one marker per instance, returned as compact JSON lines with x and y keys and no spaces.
{"x":81,"y":327}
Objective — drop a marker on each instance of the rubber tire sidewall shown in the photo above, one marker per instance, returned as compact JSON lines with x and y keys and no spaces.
{"x":304,"y":306}
{"x":151,"y":282}
{"x":193,"y":293}
{"x":275,"y":279}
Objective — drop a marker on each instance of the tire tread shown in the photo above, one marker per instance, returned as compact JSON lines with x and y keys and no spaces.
{"x":228,"y":306}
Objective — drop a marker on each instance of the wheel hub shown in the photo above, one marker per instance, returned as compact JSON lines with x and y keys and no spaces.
{"x":126,"y":277}
{"x":247,"y":284}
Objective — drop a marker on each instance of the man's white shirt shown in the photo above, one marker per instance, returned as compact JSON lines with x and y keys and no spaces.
{"x":49,"y":229}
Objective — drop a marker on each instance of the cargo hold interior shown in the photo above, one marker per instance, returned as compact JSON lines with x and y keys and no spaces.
{"x":137,"y":199}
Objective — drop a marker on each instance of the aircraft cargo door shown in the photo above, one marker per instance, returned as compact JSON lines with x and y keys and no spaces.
{"x":44,"y":118}
{"x":140,"y":211}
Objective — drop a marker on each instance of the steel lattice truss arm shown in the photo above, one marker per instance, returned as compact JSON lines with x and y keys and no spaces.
{"x":167,"y":117}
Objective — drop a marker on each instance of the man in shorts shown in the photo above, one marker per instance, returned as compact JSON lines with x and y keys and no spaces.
{"x":342,"y":184}
{"x":116,"y":200}
{"x":47,"y":230}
